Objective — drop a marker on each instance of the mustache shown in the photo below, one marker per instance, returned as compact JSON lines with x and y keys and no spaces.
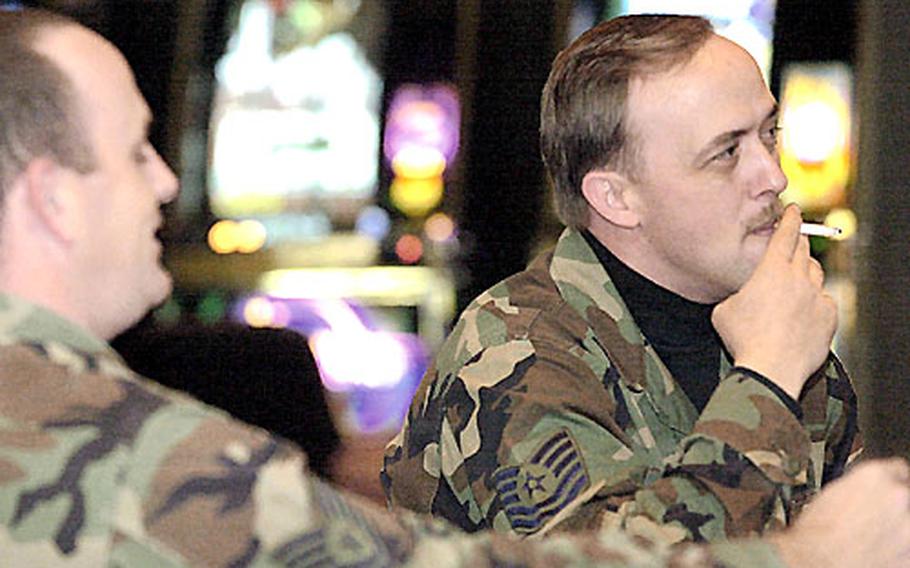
{"x":769,"y":215}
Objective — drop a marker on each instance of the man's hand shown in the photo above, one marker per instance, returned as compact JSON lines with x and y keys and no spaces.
{"x":862,"y":520}
{"x":781,"y":322}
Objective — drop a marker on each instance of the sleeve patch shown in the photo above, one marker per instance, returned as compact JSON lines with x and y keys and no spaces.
{"x":535,"y":491}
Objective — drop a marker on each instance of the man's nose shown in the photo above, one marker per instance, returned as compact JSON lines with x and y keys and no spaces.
{"x":167,"y":187}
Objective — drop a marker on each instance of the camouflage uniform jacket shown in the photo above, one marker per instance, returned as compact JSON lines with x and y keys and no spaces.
{"x":100,"y":467}
{"x":546,"y":406}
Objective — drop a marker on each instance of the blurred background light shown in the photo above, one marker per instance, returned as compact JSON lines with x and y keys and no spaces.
{"x":418,"y":162}
{"x":439,"y":227}
{"x":373,"y":222}
{"x":260,"y":311}
{"x":358,"y":358}
{"x":845,"y":220}
{"x":221,"y":237}
{"x":416,"y":197}
{"x":409,"y":249}
{"x":229,"y":236}
{"x":815,"y":130}
{"x":423,"y":116}
{"x":251,"y":236}
{"x":815,"y":146}
{"x":375,"y":369}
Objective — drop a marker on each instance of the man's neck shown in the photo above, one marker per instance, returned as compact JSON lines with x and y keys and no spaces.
{"x":49,"y":290}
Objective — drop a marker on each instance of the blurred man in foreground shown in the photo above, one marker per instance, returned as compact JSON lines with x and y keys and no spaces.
{"x":100,"y":467}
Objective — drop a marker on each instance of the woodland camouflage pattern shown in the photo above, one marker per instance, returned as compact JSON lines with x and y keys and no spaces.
{"x":546,"y":407}
{"x":100,"y":467}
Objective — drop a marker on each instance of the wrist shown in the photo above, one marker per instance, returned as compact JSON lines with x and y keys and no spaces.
{"x":788,"y":400}
{"x":796,"y":552}
{"x":781,"y":375}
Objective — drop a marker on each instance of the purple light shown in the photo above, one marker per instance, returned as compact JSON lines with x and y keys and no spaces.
{"x":376,"y":371}
{"x":423,"y":117}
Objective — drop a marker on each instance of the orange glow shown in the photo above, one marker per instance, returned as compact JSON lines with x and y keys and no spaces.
{"x":259,"y":312}
{"x":227,"y":236}
{"x":439,"y":227}
{"x":221,"y":237}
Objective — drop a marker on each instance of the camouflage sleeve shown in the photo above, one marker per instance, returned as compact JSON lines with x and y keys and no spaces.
{"x":732,"y":476}
{"x":402,"y":538}
{"x":110,"y":471}
{"x":525,"y":445}
{"x":212,"y":492}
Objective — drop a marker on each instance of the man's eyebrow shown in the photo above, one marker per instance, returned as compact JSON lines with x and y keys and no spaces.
{"x":725,"y":138}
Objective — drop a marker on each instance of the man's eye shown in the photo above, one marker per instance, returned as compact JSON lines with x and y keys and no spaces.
{"x":727,"y":154}
{"x":772,"y":136}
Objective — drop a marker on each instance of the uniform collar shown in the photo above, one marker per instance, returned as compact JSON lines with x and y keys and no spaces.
{"x":585,"y":285}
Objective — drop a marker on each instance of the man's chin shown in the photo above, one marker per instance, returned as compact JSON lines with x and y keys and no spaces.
{"x":165,"y":290}
{"x":745,"y":273}
{"x":161,"y":290}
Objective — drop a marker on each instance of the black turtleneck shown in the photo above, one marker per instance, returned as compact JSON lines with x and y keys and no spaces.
{"x":678,"y":329}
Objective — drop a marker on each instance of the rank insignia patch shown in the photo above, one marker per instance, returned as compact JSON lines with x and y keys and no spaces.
{"x":535,"y":491}
{"x":345,"y":539}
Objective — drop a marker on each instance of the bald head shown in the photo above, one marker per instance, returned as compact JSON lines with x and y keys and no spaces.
{"x":37,"y":113}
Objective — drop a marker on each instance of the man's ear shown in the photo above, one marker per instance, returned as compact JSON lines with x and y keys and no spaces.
{"x":606,"y":193}
{"x":51,"y":197}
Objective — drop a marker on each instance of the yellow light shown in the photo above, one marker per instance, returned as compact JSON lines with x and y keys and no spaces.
{"x":416,"y":197}
{"x":222,"y":237}
{"x":418,"y":162}
{"x":439,"y":227}
{"x":845,"y":220}
{"x":227,"y":236}
{"x":251,"y":236}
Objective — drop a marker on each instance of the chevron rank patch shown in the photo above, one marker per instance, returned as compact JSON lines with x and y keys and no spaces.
{"x":535,"y":491}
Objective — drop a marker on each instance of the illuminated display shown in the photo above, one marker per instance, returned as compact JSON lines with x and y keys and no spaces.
{"x":295,"y":125}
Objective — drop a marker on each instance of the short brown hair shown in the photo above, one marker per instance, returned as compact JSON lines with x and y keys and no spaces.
{"x":38,"y":112}
{"x":583,"y":106}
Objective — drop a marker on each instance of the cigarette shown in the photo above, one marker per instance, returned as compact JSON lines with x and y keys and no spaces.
{"x":819,"y":230}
